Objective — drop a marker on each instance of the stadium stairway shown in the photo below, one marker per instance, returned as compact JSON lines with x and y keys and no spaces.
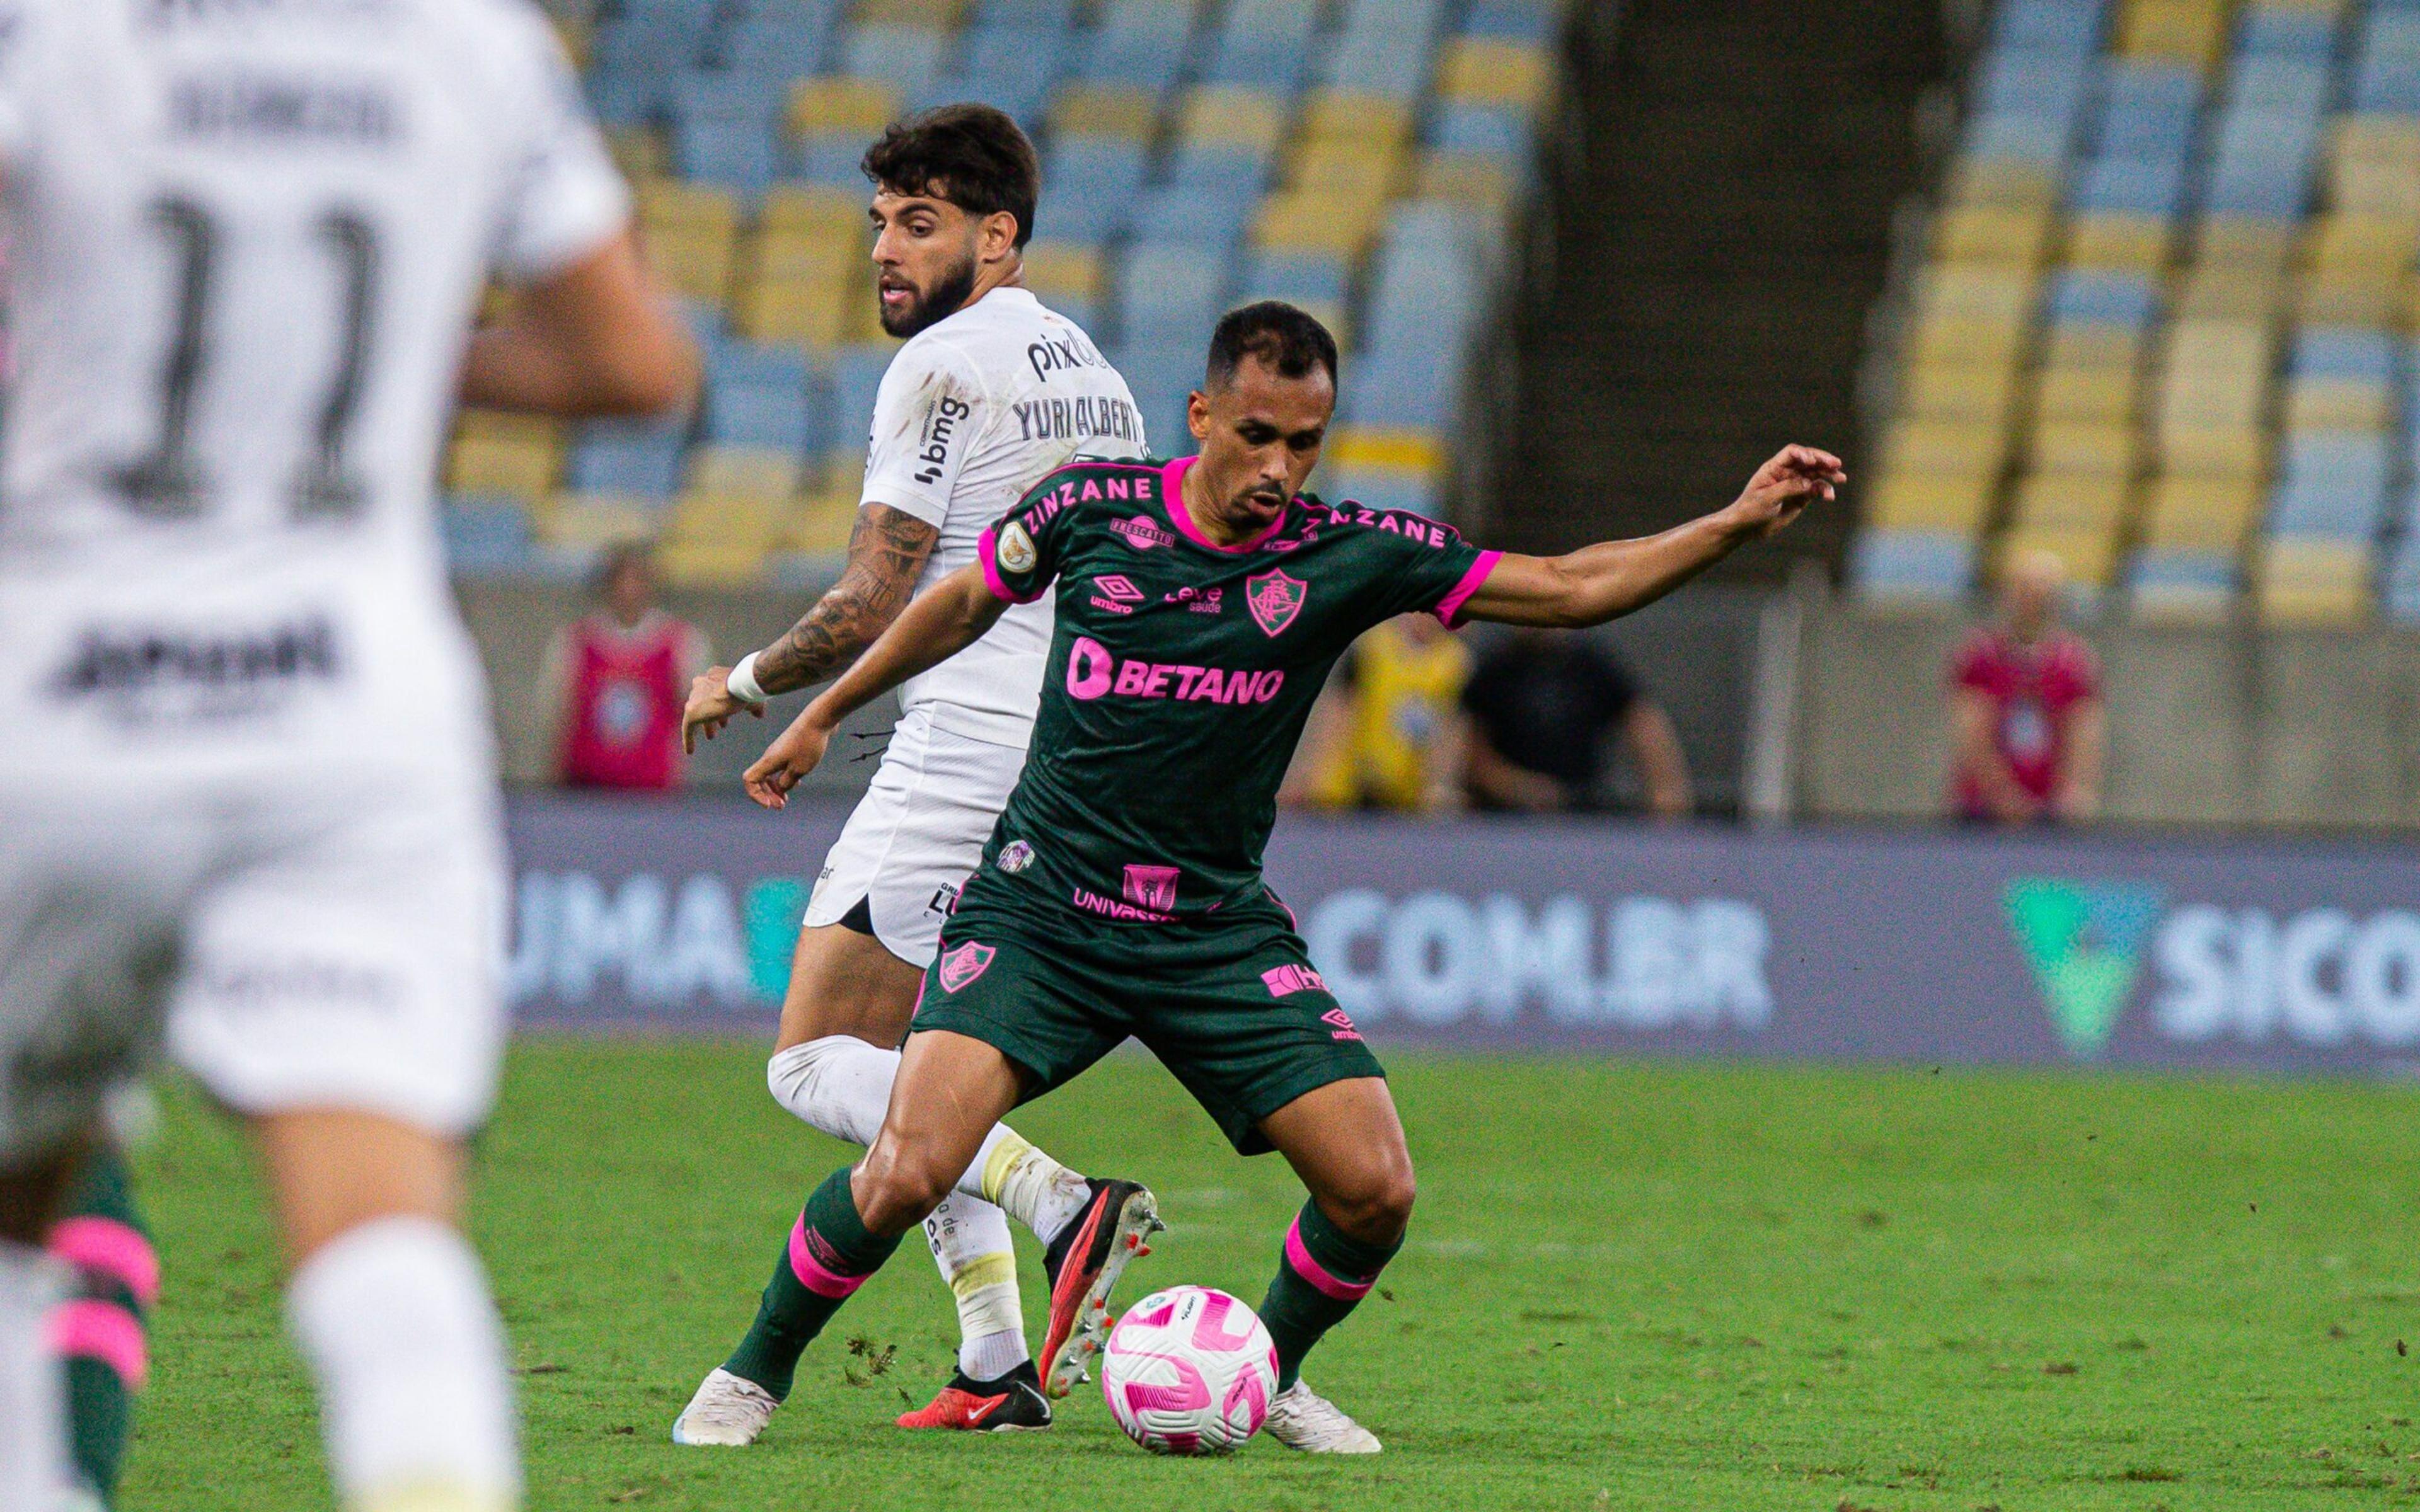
{"x":1719,"y":232}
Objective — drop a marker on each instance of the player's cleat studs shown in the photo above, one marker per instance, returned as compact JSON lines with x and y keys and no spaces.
{"x":1084,"y":1263}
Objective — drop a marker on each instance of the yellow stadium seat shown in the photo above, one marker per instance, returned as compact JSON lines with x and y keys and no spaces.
{"x":2060,"y":501}
{"x":510,"y":466}
{"x":696,"y":260}
{"x":2179,"y":31}
{"x":1950,"y":504}
{"x":2089,"y":555}
{"x":1397,"y":451}
{"x":498,"y":425}
{"x":2362,"y":248}
{"x":1976,"y":292}
{"x":2086,"y":393}
{"x":2078,"y":344}
{"x":2094,"y":448}
{"x":864,"y":327}
{"x":842,"y":107}
{"x":820,"y":524}
{"x":932,"y":15}
{"x":1220,"y":114}
{"x":1961,"y":391}
{"x":2212,"y":451}
{"x":1338,"y":116}
{"x":2313,"y":582}
{"x":2338,"y":404}
{"x":2216,"y":290}
{"x":1345,"y":163}
{"x":812,"y":209}
{"x":597,"y":521}
{"x":1943,"y":446}
{"x":712,"y":563}
{"x":2191,"y":513}
{"x":743,"y":473}
{"x":1484,"y":181}
{"x":1474,"y":71}
{"x":669,"y":202}
{"x":1064,"y":271}
{"x":1950,"y":341}
{"x":2131,"y":243}
{"x":816,"y":314}
{"x":2375,"y":138}
{"x":1322,"y":222}
{"x":2349,"y":304}
{"x":1105,"y":110}
{"x":2013,"y":182}
{"x":806,"y":256}
{"x":1994,"y":234}
{"x":723,"y":519}
{"x":2245,"y":243}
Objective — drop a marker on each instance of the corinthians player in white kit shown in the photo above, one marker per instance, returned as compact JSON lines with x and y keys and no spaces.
{"x":245,"y":772}
{"x":991,"y":394}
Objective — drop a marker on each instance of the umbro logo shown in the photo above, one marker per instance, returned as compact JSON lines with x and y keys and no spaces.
{"x":1116,"y":594}
{"x":1341,"y":1022}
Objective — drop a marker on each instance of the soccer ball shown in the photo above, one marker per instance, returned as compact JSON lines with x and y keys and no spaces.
{"x":1189,"y":1371}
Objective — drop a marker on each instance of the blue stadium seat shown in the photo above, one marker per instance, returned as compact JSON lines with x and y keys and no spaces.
{"x":2097,"y":298}
{"x":740,"y":155}
{"x":486,"y":537}
{"x":769,"y":419}
{"x":1410,"y":17}
{"x":1217,"y":218}
{"x":2282,"y":85}
{"x":2343,"y":352}
{"x":638,"y":458}
{"x":1482,"y":129}
{"x":1913,"y":565}
{"x":908,"y":56}
{"x":2169,"y":570}
{"x":1392,"y":62}
{"x":2148,"y":110}
{"x":1042,"y":15}
{"x":1090,"y":185}
{"x":2286,"y":31}
{"x":2399,"y":586}
{"x":857,"y":379}
{"x":2334,"y":485}
{"x":1264,"y":43}
{"x":2051,"y":25}
{"x":789,"y":40}
{"x":758,"y":365}
{"x":1013,"y":68}
{"x":1143,"y":42}
{"x":1382,"y":488}
{"x":2024,"y":138}
{"x":1222,"y":167}
{"x":1162,"y":375}
{"x":1170,"y":292}
{"x":2033,"y":83}
{"x":2131,"y":186}
{"x":1515,"y":21}
{"x":1298,"y":278}
{"x":1397,"y":391}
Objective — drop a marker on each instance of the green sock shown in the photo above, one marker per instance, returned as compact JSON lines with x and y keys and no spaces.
{"x":101,"y":1329}
{"x":830,"y":1255}
{"x":1321,"y":1276}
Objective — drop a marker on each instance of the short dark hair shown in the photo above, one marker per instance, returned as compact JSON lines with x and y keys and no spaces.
{"x":1287,"y":339}
{"x":976,"y":158}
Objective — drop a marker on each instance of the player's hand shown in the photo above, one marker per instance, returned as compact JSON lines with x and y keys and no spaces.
{"x":794,"y":753}
{"x":711,"y":705}
{"x":1783,"y":487}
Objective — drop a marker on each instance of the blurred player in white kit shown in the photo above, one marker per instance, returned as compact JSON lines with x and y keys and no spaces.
{"x":246,"y":785}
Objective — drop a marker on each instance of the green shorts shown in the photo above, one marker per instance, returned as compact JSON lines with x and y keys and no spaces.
{"x":1228,"y":1001}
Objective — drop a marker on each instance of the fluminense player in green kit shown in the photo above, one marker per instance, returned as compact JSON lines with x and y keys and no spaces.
{"x":1200,"y":604}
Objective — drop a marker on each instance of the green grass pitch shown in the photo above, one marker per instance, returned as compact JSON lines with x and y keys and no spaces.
{"x":1712,"y":1287}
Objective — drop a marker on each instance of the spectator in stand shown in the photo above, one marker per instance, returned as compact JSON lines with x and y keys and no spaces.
{"x":1389,"y":733}
{"x":2025,"y":709}
{"x":616,"y":682}
{"x":1540,"y":706}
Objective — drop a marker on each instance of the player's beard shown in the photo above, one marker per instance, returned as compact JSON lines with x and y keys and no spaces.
{"x":931,"y":307}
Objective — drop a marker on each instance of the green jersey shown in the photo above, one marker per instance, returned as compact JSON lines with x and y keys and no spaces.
{"x":1180,"y":673}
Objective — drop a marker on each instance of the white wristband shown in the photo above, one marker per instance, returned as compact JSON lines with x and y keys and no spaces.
{"x":742,"y":681}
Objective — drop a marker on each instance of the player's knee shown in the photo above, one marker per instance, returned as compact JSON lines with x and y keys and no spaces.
{"x":898,"y":1188}
{"x":1374,"y":1205}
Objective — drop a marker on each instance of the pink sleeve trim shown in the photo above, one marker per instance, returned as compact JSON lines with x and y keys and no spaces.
{"x":813,"y":1274}
{"x":107,"y":1248}
{"x":988,"y":552}
{"x":1448,"y":609}
{"x":1299,"y":1255}
{"x":105,"y":1332}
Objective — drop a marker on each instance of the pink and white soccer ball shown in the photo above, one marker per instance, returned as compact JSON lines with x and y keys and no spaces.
{"x":1189,"y":1371}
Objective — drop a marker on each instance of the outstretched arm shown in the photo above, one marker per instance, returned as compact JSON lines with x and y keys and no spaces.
{"x":941,"y":623}
{"x":1605,"y":581}
{"x":887,"y":552}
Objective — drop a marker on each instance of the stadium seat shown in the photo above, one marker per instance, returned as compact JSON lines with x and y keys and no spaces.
{"x":1919,"y":566}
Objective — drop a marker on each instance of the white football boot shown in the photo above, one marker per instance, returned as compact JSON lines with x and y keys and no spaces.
{"x":1301,"y":1418}
{"x":726,"y":1411}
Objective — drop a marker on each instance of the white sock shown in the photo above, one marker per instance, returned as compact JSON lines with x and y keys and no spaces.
{"x":33,"y":1406}
{"x":971,"y":1243}
{"x":395,"y":1319}
{"x":841,"y":1085}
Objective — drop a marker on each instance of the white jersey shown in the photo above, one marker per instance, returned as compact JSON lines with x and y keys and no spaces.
{"x":975,"y":411}
{"x":245,"y":239}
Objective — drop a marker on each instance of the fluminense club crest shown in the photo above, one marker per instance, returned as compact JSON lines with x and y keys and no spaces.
{"x":1275,"y":600}
{"x":964,"y":965}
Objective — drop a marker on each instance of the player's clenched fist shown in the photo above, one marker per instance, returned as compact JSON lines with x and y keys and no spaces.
{"x":1783,"y":487}
{"x":794,"y":753}
{"x":711,"y":705}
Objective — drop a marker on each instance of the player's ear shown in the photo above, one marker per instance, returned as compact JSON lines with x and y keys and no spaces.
{"x":998,"y":239}
{"x":1197,"y":415}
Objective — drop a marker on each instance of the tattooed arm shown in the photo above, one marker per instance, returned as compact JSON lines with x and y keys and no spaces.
{"x":887,"y":552}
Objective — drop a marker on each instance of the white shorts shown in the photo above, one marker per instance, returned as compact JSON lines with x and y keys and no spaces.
{"x":306,"y":946}
{"x":916,"y":836}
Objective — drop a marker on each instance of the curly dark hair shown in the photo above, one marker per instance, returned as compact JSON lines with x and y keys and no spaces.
{"x":972,"y":155}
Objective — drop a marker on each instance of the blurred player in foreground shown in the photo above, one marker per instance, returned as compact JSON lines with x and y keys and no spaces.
{"x":1121,"y":893}
{"x":246,"y":783}
{"x":991,"y":392}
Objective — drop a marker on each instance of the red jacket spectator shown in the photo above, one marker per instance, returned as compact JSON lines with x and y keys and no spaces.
{"x":2026,"y":704}
{"x":618,"y":681}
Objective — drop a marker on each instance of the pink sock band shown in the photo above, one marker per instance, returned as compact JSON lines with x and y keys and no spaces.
{"x":105,"y":1332}
{"x":106,"y":1247}
{"x":1312,"y":1270}
{"x":814,"y":1274}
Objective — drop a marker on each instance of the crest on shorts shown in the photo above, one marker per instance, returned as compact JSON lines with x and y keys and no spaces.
{"x":1275,"y":600}
{"x":964,"y":965}
{"x":1015,"y":857}
{"x":1152,"y":887}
